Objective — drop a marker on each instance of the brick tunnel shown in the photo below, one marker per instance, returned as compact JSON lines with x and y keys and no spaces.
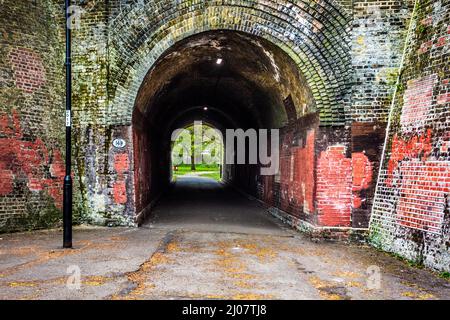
{"x":255,"y":86}
{"x":358,"y":90}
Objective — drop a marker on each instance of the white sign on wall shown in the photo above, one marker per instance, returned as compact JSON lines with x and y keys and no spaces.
{"x":119,"y":143}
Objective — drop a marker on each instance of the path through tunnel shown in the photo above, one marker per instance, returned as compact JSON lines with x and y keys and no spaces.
{"x":228,"y":79}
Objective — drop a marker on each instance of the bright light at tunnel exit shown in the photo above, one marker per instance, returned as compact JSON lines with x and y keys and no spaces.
{"x":219,"y":61}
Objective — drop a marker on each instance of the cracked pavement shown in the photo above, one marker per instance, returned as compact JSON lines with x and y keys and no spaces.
{"x":205,"y":241}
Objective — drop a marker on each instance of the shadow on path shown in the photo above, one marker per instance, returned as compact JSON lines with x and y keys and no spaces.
{"x":203,"y":204}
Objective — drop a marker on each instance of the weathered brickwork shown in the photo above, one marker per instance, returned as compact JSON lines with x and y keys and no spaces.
{"x":117,"y":43}
{"x":410,"y":213}
{"x":313,"y":33}
{"x":31,"y":115}
{"x":29,"y":72}
{"x":321,"y":182}
{"x":106,"y":193}
{"x":334,"y":181}
{"x":119,"y":197}
{"x":296,"y":185}
{"x":378,"y":35}
{"x":345,"y":56}
{"x":40,"y":168}
{"x":150,"y":167}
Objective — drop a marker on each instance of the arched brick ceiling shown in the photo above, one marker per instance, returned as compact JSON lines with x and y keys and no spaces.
{"x":313,"y":33}
{"x":249,"y":86}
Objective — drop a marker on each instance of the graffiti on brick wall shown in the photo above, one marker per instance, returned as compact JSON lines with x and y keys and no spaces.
{"x":362,"y":174}
{"x":339,"y":183}
{"x":334,"y":187}
{"x":304,"y":173}
{"x":422,"y":194}
{"x":297,"y":175}
{"x":419,"y":146}
{"x":421,"y":181}
{"x":30,"y":161}
{"x":28,"y":68}
{"x":335,"y":190}
{"x":410,"y":211}
{"x":121,"y":165}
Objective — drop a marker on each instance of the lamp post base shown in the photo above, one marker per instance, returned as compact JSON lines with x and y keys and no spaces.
{"x":67,"y":212}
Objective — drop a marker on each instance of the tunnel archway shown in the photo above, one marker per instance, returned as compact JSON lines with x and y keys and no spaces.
{"x":245,"y":82}
{"x":314,"y":34}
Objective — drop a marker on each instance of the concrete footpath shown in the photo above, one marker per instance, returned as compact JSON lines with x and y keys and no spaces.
{"x":204,"y":242}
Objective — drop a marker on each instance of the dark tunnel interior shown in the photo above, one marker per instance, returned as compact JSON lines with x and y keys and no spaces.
{"x":243,"y":81}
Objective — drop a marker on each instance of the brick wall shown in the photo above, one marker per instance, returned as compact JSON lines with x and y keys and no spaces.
{"x":114,"y":44}
{"x":151,"y":168}
{"x":138,"y":33}
{"x":292,"y":190}
{"x":31,"y":115}
{"x":119,"y":40}
{"x":378,"y":35}
{"x":410,"y":213}
{"x":327,"y":175}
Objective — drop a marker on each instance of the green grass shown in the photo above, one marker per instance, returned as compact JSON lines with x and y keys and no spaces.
{"x":198,"y":167}
{"x":202,"y":170}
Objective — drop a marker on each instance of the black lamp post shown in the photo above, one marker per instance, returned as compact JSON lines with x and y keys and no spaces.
{"x":67,"y":193}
